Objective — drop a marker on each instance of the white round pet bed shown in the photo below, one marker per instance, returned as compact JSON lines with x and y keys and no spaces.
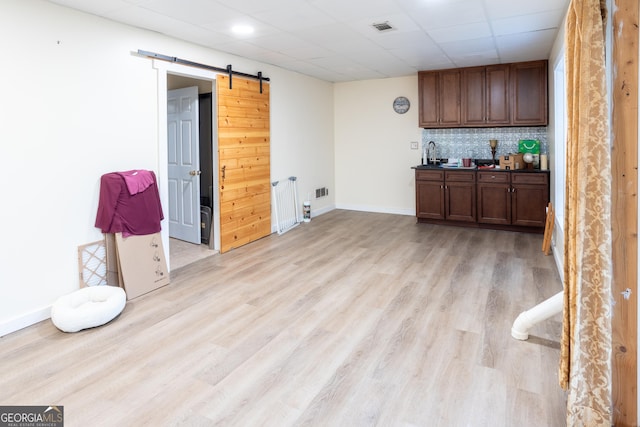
{"x":88,"y":307}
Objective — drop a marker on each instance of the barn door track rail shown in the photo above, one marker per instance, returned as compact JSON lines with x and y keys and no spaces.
{"x":228,"y":69}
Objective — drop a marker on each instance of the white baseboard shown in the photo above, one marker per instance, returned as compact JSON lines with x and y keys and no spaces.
{"x":324,"y":210}
{"x":558,"y":252}
{"x":377,"y":209}
{"x":28,"y":319}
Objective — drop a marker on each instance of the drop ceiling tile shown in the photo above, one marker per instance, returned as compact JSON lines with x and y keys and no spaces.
{"x":435,"y":64}
{"x":308,"y":52}
{"x":97,"y":7}
{"x":396,"y":68}
{"x":337,"y":63}
{"x":461,"y":49}
{"x":497,"y":9}
{"x":242,"y":48}
{"x":191,"y":11}
{"x":477,"y":58}
{"x":329,"y":75}
{"x":474,"y":31}
{"x":357,"y":46}
{"x":351,"y":10}
{"x":339,"y":78}
{"x":527,"y":23}
{"x":417,"y":58}
{"x":273,"y":58}
{"x":281,"y":42}
{"x":375,"y":60}
{"x":414,"y":40}
{"x":144,"y":18}
{"x":326,"y":35}
{"x":254,"y":6}
{"x":456,"y":14}
{"x":295,"y":18}
{"x":354,"y":71}
{"x":526,"y":46}
{"x":199,"y":35}
{"x":301,"y":67}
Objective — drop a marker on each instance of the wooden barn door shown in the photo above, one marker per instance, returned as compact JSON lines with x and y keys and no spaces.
{"x":243,"y":160}
{"x":624,"y":205}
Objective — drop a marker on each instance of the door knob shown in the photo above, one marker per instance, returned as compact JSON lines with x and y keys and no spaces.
{"x":194,"y":173}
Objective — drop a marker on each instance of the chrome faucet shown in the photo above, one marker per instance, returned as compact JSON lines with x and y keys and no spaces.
{"x":431,"y":153}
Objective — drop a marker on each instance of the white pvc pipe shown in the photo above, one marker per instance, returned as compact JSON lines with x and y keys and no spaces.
{"x":542,"y":311}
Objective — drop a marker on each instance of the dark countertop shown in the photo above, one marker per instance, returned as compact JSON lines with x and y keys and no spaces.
{"x":439,"y":167}
{"x":476,"y":168}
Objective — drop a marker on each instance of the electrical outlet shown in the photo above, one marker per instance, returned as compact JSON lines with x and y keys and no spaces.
{"x":414,"y":145}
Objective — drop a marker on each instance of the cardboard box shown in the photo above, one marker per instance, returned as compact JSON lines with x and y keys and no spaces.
{"x":113,"y":275}
{"x":142,"y":264}
{"x":512,"y":162}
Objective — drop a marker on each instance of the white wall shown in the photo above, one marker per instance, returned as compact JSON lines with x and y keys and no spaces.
{"x":302,"y":140}
{"x":556,"y":151}
{"x":373,"y":157}
{"x":77,"y":104}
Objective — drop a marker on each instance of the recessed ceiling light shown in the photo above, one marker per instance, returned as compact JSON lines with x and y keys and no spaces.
{"x":242,"y":29}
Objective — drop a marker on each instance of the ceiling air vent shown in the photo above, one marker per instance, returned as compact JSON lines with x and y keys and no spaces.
{"x":382,"y":26}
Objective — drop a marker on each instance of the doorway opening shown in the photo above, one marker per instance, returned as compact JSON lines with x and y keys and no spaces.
{"x":172,"y":76}
{"x":187,"y":249}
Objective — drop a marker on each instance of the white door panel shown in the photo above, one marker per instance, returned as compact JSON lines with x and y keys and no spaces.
{"x":184,"y":164}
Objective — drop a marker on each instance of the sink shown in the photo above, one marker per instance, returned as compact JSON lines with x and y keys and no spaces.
{"x":438,"y":163}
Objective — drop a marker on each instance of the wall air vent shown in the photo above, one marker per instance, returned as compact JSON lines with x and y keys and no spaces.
{"x":383,"y":26}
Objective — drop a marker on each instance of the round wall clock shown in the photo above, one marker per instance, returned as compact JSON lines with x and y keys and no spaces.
{"x":401,"y":105}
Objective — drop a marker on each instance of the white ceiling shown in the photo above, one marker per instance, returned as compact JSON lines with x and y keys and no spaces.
{"x":334,"y":40}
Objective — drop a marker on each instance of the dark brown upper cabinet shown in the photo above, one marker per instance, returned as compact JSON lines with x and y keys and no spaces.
{"x":529,"y":93}
{"x":439,"y":98}
{"x":487,"y":96}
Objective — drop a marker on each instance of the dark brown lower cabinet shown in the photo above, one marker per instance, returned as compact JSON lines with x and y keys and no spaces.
{"x":430,"y":194}
{"x":529,"y":199}
{"x":513,"y":198}
{"x":493,"y":199}
{"x":446,"y":195}
{"x":460,"y":196}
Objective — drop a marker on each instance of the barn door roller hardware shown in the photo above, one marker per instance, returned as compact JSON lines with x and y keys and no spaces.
{"x":229,"y":70}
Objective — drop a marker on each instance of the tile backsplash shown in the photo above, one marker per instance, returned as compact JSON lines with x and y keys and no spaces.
{"x":474,"y":143}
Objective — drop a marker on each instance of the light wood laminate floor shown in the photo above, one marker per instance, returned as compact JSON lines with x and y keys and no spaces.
{"x":183,"y":253}
{"x":353,"y":319}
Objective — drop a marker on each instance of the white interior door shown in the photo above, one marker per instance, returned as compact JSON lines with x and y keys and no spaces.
{"x":183,"y":164}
